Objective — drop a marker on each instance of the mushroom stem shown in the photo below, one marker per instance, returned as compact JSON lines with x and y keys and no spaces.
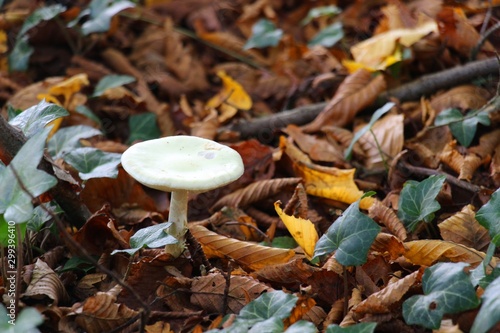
{"x":178,"y":216}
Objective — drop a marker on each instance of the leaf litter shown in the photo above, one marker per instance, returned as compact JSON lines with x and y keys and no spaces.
{"x":343,"y":215}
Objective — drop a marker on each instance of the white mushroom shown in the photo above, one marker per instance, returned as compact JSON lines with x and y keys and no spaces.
{"x":181,"y":164}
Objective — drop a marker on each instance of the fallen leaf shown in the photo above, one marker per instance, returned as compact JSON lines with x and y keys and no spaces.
{"x":302,"y":230}
{"x":249,"y":255}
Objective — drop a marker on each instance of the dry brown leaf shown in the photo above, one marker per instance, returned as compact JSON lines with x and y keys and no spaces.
{"x":458,"y":33}
{"x":385,"y":215}
{"x":463,"y":228}
{"x":495,"y":167}
{"x":390,"y":244}
{"x":387,"y":298}
{"x":463,"y":97}
{"x":426,"y":252}
{"x":290,"y":273}
{"x":208,"y":292}
{"x":249,"y":255}
{"x":101,"y":313}
{"x":317,"y":148}
{"x":429,"y":146}
{"x":255,"y":192}
{"x":45,"y":285}
{"x":451,"y":157}
{"x":383,"y":142}
{"x":356,"y":92}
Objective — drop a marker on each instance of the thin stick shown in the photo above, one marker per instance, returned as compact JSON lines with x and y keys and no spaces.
{"x":346,"y":291}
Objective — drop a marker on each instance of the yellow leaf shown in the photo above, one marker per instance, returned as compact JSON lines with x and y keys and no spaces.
{"x":326,"y":182}
{"x":232,"y":93}
{"x":69,"y":87}
{"x":373,"y":52}
{"x":303,"y":231}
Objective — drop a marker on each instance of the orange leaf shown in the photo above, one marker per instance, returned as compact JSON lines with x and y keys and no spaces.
{"x":303,"y":231}
{"x":250,"y":255}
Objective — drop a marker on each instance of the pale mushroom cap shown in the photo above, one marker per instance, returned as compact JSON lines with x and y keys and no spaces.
{"x":182,"y":163}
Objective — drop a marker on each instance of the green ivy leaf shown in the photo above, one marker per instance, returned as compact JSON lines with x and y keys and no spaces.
{"x":143,"y":127}
{"x":12,"y":112}
{"x":101,"y":13}
{"x":489,"y":216}
{"x":35,"y":118}
{"x":358,"y":328}
{"x":271,"y":325}
{"x":111,"y":81}
{"x":302,"y":326}
{"x":329,"y":36}
{"x":462,"y":128}
{"x":447,"y":290}
{"x":264,"y":34}
{"x":376,"y":116}
{"x":93,"y":163}
{"x":284,"y":242}
{"x":417,"y":201}
{"x":45,"y":13}
{"x":19,"y":57}
{"x":316,"y":12}
{"x":275,"y":304}
{"x":85,"y":111}
{"x":26,"y":322}
{"x":489,"y":314}
{"x":42,"y":214}
{"x":68,"y":138}
{"x":5,"y":232}
{"x":478,"y":274}
{"x":153,"y":237}
{"x":351,"y":235}
{"x":15,"y":203}
{"x":78,"y":264}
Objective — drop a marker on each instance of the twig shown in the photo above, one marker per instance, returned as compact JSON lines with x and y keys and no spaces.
{"x":430,"y":172}
{"x":265,"y":128}
{"x":227,"y":276}
{"x":11,"y":141}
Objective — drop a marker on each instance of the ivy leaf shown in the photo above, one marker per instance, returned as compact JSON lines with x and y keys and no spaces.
{"x":93,"y":163}
{"x":274,"y":304}
{"x":111,"y":81}
{"x":462,"y":128}
{"x":351,"y":235}
{"x":264,"y":34}
{"x":302,"y":326}
{"x":316,"y":12}
{"x":143,"y":127}
{"x":417,"y":201}
{"x":489,"y":314}
{"x":20,"y":55}
{"x":45,"y":13}
{"x":271,"y":325}
{"x":328,"y":36}
{"x":358,"y":328}
{"x":68,"y":138}
{"x":35,"y":118}
{"x":376,"y":116}
{"x":4,"y":232}
{"x":153,"y":237}
{"x":15,"y":203}
{"x":26,"y":322}
{"x":447,"y":290}
{"x":85,"y":111}
{"x":489,"y":216}
{"x":101,"y":13}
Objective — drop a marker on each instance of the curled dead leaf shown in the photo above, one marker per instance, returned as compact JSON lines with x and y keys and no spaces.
{"x":385,"y":215}
{"x":45,"y":285}
{"x":249,"y":255}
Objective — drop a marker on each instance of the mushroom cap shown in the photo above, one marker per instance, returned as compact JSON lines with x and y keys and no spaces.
{"x":182,"y":163}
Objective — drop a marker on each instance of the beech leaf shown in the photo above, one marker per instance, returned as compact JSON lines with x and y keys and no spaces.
{"x":417,"y":201}
{"x":351,"y":235}
{"x":447,"y":290}
{"x":489,"y":216}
